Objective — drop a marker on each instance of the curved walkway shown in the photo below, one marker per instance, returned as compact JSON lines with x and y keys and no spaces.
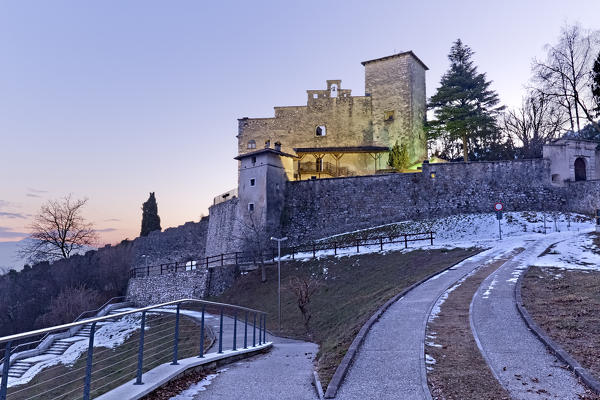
{"x":515,"y":355}
{"x":390,"y":362}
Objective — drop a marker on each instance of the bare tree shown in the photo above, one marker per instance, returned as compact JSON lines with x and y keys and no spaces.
{"x":304,"y":287}
{"x":255,"y":239}
{"x":538,"y":121}
{"x":59,"y":231}
{"x":566,"y":74}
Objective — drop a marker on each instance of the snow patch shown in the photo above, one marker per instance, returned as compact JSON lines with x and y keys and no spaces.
{"x":196,"y":388}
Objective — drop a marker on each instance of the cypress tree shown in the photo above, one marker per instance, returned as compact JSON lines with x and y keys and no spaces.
{"x":150,"y":218}
{"x":398,"y":157}
{"x":596,"y":84}
{"x":465,"y":108}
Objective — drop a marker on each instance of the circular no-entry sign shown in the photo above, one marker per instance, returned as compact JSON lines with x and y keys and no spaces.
{"x":498,"y":206}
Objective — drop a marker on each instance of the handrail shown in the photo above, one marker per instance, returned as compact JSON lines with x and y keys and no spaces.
{"x":56,"y":328}
{"x":99,"y":308}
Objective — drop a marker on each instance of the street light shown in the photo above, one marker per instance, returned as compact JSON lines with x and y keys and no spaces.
{"x":279,"y":275}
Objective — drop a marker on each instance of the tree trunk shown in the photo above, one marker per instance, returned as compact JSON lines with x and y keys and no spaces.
{"x":465,"y":148}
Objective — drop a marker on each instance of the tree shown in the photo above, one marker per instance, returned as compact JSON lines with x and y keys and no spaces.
{"x":464,"y":106}
{"x":566,"y":75}
{"x":304,"y":287}
{"x":398,"y":157}
{"x":255,"y":239}
{"x":538,"y":121}
{"x":596,"y":85}
{"x":58,"y":231}
{"x":150,"y":218}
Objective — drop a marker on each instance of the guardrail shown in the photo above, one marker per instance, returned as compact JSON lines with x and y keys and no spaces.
{"x":157,"y":340}
{"x":239,"y":258}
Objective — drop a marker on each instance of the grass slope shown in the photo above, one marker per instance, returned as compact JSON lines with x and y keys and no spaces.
{"x":351,"y":290}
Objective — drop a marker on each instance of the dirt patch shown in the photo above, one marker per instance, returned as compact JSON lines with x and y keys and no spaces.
{"x":174,"y":387}
{"x":455,"y":367}
{"x":565,"y":304}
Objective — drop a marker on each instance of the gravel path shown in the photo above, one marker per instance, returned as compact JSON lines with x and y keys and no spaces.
{"x":390,"y":364}
{"x":517,"y":358}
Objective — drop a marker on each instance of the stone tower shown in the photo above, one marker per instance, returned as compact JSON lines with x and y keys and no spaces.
{"x":396,"y":85}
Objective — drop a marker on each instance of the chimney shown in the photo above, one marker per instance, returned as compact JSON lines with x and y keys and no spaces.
{"x":267,"y":144}
{"x":278,"y":146}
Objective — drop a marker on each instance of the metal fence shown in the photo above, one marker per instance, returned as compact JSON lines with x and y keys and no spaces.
{"x":159,"y":335}
{"x":270,"y":255}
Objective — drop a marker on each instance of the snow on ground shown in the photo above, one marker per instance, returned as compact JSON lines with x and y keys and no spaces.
{"x":196,"y":388}
{"x":577,"y":252}
{"x":109,"y":336}
{"x":464,"y":230}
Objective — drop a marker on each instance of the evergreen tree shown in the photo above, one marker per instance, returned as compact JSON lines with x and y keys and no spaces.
{"x":398,"y":157}
{"x":150,"y":218}
{"x":596,"y":85}
{"x":464,"y":106}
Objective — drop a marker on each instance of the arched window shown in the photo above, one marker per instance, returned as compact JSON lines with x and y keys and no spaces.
{"x":251,"y":144}
{"x":321,"y":130}
{"x":333,"y":90}
{"x":580,"y":174}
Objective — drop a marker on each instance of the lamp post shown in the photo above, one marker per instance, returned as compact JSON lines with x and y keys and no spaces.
{"x":279,"y":276}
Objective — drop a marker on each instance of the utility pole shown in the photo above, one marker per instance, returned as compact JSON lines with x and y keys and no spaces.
{"x":279,"y":276}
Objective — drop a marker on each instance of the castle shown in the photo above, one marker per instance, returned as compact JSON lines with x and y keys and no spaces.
{"x":319,"y":170}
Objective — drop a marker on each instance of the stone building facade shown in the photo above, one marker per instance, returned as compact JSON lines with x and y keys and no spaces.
{"x":573,"y":160}
{"x":337,"y":134}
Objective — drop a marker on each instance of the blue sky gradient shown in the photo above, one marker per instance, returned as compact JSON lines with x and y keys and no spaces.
{"x":113,"y":99}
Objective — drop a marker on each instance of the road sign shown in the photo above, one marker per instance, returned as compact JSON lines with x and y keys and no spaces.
{"x":498,"y":206}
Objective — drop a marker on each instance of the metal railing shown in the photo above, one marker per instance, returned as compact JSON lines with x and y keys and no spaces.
{"x":154,"y":337}
{"x":270,"y":255}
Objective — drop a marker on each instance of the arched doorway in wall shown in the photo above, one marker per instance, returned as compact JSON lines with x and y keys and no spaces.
{"x":580,"y":174}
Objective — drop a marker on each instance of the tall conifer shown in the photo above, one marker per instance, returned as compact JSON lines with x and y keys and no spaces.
{"x":150,"y":218}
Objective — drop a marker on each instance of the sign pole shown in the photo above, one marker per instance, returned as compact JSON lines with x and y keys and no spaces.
{"x":279,"y":240}
{"x":498,"y":207}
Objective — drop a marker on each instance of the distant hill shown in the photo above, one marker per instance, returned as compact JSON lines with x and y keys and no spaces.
{"x":9,"y":257}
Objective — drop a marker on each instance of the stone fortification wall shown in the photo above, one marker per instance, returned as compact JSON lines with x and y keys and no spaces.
{"x":223,"y":235}
{"x":320,"y":208}
{"x":196,"y":284}
{"x":584,"y":196}
{"x":180,"y":244}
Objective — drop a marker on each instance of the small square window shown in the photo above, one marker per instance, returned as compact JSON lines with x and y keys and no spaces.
{"x":321,"y":130}
{"x":388,"y":116}
{"x":250,"y":207}
{"x":252,"y":182}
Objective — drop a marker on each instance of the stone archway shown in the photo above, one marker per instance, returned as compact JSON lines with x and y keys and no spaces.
{"x":580,"y":173}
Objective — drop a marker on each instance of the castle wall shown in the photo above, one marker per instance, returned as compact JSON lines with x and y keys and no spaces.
{"x":584,"y":196}
{"x":320,"y":208}
{"x":180,"y":244}
{"x":223,"y":235}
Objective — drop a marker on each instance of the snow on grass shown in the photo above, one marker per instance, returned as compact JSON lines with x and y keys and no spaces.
{"x":578,"y":252}
{"x":463,"y":230}
{"x":429,"y":361}
{"x":191,"y":392}
{"x":108,"y":336}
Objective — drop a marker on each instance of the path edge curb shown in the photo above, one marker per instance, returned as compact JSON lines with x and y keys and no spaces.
{"x":342,"y":369}
{"x":554,"y":347}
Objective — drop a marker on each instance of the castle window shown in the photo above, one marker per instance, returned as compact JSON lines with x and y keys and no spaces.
{"x":321,"y":130}
{"x":333,"y":90}
{"x":388,"y":116}
{"x":250,"y":207}
{"x":253,"y":160}
{"x":315,"y":95}
{"x":251,"y":144}
{"x":252,"y":182}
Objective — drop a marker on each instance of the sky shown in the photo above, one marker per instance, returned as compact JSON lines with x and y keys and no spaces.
{"x":110,"y":100}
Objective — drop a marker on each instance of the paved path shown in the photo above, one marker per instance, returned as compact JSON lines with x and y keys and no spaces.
{"x":283,"y":373}
{"x":390,"y":364}
{"x":517,"y":358}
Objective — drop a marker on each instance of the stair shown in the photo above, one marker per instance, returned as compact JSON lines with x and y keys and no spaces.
{"x":19,"y":368}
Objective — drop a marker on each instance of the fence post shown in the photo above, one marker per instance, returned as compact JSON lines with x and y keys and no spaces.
{"x":221,"y":259}
{"x":335,"y":248}
{"x":234,"y":330}
{"x":246,"y":331}
{"x":207,"y":262}
{"x":202,"y":333}
{"x":405,"y":241}
{"x":381,"y":243}
{"x":236,"y":259}
{"x":254,"y":332}
{"x":265,"y":329}
{"x":221,"y":333}
{"x":147,"y":270}
{"x":138,"y":380}
{"x":431,"y":237}
{"x":314,"y":250}
{"x":176,"y":344}
{"x":175,"y":266}
{"x":88,"y":366}
{"x":357,"y":244}
{"x":5,"y":367}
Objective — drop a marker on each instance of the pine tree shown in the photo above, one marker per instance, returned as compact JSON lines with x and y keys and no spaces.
{"x":465,"y":108}
{"x":596,"y":85}
{"x":398,"y":157}
{"x":150,"y":218}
